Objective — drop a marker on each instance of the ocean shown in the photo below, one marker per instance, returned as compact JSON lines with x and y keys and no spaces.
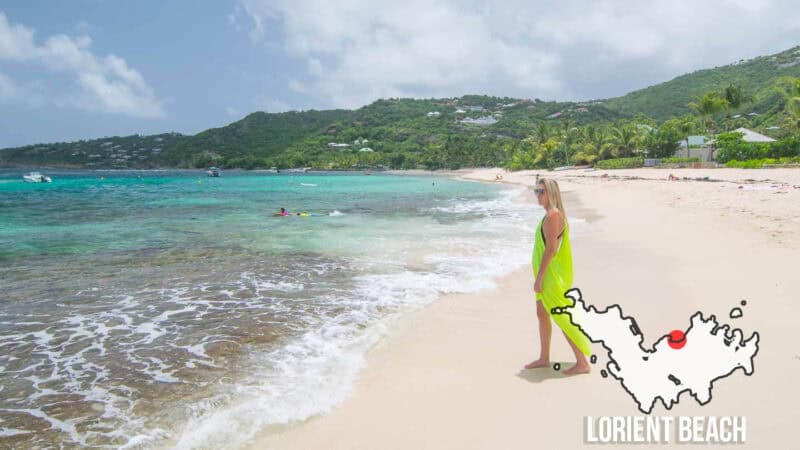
{"x":170,"y":309}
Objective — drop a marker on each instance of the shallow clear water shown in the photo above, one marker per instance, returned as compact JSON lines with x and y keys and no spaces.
{"x":172,"y":309}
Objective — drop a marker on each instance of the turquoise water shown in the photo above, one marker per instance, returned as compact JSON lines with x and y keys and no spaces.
{"x":77,"y":214}
{"x":169,"y":308}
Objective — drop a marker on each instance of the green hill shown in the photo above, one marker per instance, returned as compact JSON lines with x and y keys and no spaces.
{"x":116,"y":152}
{"x":473,"y":130}
{"x":257,"y":136}
{"x":757,"y":76}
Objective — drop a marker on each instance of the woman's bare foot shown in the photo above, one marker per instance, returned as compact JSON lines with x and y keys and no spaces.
{"x":579,"y":368}
{"x":537,"y":364}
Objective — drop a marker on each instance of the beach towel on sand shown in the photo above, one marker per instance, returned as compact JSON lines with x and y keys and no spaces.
{"x":557,"y":280}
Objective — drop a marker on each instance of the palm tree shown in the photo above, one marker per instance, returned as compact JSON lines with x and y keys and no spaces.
{"x":595,"y":135}
{"x":790,"y":89}
{"x":706,"y":106}
{"x":542,"y":132}
{"x":625,"y":137}
{"x":735,"y":97}
{"x":569,"y":133}
{"x":686,"y":125}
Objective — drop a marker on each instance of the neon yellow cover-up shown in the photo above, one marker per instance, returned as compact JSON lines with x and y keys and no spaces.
{"x":558,"y":280}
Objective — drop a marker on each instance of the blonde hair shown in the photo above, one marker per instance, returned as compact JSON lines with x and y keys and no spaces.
{"x":553,"y":195}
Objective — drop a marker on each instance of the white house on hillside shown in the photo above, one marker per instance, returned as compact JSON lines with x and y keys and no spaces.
{"x":485,"y":120}
{"x":752,"y":136}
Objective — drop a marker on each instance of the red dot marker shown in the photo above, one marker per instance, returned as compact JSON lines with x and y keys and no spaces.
{"x":676,"y":339}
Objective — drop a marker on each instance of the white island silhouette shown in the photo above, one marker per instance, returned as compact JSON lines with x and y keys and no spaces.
{"x":710,"y":352}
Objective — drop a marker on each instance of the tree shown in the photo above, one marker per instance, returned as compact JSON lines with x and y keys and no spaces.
{"x":598,"y":142}
{"x":734,"y":97}
{"x":569,"y":134}
{"x":542,"y":132}
{"x":789,"y":88}
{"x":663,"y":141}
{"x":625,"y":137}
{"x":686,"y":125}
{"x":707,"y":106}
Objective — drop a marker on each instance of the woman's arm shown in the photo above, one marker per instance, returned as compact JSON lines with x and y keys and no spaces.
{"x":552,"y":226}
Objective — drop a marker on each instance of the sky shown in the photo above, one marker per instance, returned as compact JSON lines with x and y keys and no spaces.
{"x":87,"y":69}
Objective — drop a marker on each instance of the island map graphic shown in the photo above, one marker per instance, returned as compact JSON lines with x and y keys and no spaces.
{"x":678,"y":362}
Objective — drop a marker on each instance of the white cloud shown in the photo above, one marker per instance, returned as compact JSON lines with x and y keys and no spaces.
{"x":297,"y":86}
{"x":100,"y":84}
{"x":315,"y":67}
{"x":13,"y":92}
{"x":8,"y":89}
{"x":16,"y":41}
{"x":233,"y":112}
{"x":358,"y":50}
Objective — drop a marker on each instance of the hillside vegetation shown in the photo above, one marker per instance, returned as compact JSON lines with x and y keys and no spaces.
{"x":473,"y":130}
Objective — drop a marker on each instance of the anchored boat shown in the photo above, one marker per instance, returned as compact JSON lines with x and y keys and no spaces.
{"x":36,"y":177}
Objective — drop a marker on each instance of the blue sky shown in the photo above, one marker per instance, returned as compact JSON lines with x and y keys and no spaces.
{"x":91,"y":68}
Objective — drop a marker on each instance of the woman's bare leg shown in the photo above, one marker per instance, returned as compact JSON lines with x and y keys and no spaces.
{"x":545,"y":332}
{"x":581,"y":365}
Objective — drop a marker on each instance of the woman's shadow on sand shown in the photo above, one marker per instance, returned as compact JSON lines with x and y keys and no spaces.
{"x":545,"y":373}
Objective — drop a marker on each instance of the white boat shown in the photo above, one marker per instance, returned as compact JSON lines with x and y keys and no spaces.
{"x":212,"y":172}
{"x":36,"y":177}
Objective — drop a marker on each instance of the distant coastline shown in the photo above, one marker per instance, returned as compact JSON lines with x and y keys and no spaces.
{"x":474,"y":130}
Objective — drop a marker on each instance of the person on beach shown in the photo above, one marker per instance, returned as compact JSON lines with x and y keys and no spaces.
{"x":552,"y":267}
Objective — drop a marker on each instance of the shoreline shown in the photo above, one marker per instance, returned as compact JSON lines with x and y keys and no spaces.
{"x":449,"y":375}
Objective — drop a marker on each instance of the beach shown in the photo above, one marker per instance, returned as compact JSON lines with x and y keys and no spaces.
{"x":450,"y":375}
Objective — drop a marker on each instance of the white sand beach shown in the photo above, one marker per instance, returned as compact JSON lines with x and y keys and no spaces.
{"x":450,"y":376}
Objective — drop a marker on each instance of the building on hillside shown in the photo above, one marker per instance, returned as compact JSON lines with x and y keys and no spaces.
{"x":485,"y":120}
{"x":752,"y":136}
{"x":434,"y":114}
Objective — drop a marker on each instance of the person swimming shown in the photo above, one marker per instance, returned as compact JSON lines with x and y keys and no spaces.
{"x":284,"y":213}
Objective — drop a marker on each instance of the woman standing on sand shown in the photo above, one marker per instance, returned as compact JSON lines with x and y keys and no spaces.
{"x":552,"y":267}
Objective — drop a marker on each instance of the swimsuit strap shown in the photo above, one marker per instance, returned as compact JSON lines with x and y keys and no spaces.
{"x":541,"y":228}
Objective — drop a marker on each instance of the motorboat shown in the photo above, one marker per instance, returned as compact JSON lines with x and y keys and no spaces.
{"x":36,"y":177}
{"x":212,"y":172}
